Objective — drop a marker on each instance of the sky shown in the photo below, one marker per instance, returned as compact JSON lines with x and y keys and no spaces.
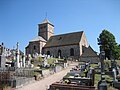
{"x":19,"y":19}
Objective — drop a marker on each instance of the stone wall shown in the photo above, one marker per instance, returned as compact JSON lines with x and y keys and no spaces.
{"x":35,"y":47}
{"x":83,"y":42}
{"x":42,"y":30}
{"x":50,"y":31}
{"x":65,"y":51}
{"x":92,"y":59}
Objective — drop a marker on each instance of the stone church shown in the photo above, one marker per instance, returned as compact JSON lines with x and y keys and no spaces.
{"x":69,"y":45}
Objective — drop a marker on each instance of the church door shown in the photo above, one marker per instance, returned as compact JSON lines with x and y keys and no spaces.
{"x":71,"y":52}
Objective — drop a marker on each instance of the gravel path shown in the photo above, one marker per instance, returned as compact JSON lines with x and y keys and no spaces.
{"x":44,"y":83}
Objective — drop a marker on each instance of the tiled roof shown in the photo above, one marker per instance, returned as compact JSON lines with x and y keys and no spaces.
{"x":38,"y":38}
{"x":64,"y":39}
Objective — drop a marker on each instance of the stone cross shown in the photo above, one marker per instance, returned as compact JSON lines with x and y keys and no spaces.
{"x":17,"y":56}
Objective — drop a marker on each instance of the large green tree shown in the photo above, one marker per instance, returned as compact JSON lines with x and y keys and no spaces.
{"x":108,"y":43}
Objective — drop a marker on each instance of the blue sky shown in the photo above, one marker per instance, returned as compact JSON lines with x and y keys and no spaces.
{"x":19,"y":19}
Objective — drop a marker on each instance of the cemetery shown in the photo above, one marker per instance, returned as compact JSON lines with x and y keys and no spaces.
{"x":79,"y":78}
{"x":20,"y":70}
{"x":91,"y":76}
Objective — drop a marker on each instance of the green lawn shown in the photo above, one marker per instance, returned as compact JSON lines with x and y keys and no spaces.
{"x":51,"y":60}
{"x":118,"y":62}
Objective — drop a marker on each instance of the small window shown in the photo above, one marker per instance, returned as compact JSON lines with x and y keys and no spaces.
{"x":41,"y":27}
{"x":44,"y":26}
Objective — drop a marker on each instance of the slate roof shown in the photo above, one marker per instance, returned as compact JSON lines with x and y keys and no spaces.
{"x":38,"y":38}
{"x":88,"y":51}
{"x":64,"y":39}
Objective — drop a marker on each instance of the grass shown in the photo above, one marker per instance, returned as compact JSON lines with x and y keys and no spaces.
{"x":40,"y":59}
{"x":107,"y":77}
{"x":97,"y":79}
{"x":118,"y":62}
{"x":51,"y":60}
{"x":109,"y":62}
{"x":94,"y":65}
{"x":66,"y":76}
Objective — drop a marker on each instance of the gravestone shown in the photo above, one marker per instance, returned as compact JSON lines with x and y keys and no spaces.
{"x":45,"y":62}
{"x":2,"y":61}
{"x":59,"y":56}
{"x":48,"y":56}
{"x":2,"y":57}
{"x":28,"y":63}
{"x":23,"y":61}
{"x":20,"y":62}
{"x":114,"y":73}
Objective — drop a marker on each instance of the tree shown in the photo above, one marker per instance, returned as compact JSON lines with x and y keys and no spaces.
{"x":116,"y":51}
{"x":108,"y":43}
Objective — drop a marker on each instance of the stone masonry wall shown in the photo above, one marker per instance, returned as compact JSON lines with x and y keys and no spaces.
{"x":65,"y":51}
{"x":35,"y":47}
{"x":83,"y":42}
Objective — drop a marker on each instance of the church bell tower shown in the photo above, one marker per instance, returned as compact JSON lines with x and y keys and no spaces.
{"x":46,"y":29}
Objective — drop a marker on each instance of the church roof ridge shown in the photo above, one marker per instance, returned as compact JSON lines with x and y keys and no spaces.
{"x":69,"y":33}
{"x":46,"y":21}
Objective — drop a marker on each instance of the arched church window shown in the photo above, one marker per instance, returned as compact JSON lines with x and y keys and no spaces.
{"x":59,"y":53}
{"x":71,"y":52}
{"x":48,"y":52}
{"x":34,"y":47}
{"x":82,"y":50}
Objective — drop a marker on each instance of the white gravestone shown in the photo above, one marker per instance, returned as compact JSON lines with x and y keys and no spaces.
{"x":17,"y":56}
{"x":2,"y":57}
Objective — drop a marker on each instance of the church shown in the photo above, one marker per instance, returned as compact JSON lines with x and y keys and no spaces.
{"x":68,"y":45}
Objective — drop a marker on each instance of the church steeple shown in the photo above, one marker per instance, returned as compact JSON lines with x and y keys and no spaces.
{"x":46,"y":29}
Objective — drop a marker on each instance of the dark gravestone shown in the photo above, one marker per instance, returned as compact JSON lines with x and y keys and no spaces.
{"x":12,"y":64}
{"x":102,"y":85}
